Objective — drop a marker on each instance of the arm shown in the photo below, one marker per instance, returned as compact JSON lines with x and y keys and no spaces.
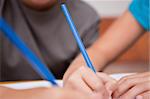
{"x":136,"y":86}
{"x":43,"y":93}
{"x":121,"y":35}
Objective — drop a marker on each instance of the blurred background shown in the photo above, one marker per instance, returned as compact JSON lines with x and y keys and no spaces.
{"x":136,"y":58}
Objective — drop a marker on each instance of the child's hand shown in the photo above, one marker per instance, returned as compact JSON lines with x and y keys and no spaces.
{"x":133,"y":86}
{"x":86,"y":81}
{"x":109,"y":82}
{"x":40,"y":93}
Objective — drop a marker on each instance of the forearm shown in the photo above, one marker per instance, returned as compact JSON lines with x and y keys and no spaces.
{"x":122,"y":34}
{"x":97,"y":60}
{"x":4,"y":93}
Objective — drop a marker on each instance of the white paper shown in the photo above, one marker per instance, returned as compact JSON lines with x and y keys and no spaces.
{"x":120,"y":75}
{"x":35,"y":84}
{"x":29,"y":85}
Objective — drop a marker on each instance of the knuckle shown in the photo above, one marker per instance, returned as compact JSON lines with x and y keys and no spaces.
{"x":105,"y":94}
{"x":71,"y":81}
{"x":137,"y":87}
{"x":83,"y":68}
{"x":128,"y":81}
{"x":123,"y":97}
{"x":122,"y":80}
{"x":115,"y":94}
{"x":99,"y":86}
{"x":119,"y":90}
{"x":133,"y":90}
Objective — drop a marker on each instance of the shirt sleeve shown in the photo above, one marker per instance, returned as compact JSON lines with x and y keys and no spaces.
{"x":140,"y":11}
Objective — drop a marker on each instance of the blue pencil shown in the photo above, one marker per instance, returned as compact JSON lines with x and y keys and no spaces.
{"x":76,"y":35}
{"x":35,"y":62}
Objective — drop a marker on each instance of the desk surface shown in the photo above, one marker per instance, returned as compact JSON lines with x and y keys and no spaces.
{"x":127,"y":68}
{"x":14,"y":82}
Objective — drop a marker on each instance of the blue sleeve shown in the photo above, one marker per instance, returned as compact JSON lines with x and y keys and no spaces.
{"x":140,"y":11}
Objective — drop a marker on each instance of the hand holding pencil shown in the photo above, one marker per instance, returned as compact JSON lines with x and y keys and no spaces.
{"x":96,"y":85}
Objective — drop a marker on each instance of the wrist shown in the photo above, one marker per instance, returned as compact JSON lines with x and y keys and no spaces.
{"x":97,"y":57}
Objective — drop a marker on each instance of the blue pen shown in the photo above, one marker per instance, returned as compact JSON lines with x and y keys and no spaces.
{"x":36,"y":63}
{"x":76,"y":34}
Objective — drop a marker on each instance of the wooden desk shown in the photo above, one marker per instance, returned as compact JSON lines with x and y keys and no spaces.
{"x":130,"y":67}
{"x":14,"y":82}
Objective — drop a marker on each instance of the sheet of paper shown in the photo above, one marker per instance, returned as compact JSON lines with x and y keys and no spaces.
{"x":35,"y":84}
{"x":120,"y":75}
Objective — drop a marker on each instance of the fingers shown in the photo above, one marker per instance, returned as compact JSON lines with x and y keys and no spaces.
{"x":106,"y":78}
{"x":129,"y":83}
{"x":136,"y":90}
{"x":87,"y":81}
{"x":133,"y":76}
{"x":92,"y":79}
{"x":145,"y":95}
{"x":110,"y":83}
{"x":76,"y":82}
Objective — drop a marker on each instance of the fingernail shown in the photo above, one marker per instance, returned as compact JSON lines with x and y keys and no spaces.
{"x":139,"y":97}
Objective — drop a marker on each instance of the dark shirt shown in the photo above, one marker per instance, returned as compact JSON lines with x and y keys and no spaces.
{"x":47,"y":34}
